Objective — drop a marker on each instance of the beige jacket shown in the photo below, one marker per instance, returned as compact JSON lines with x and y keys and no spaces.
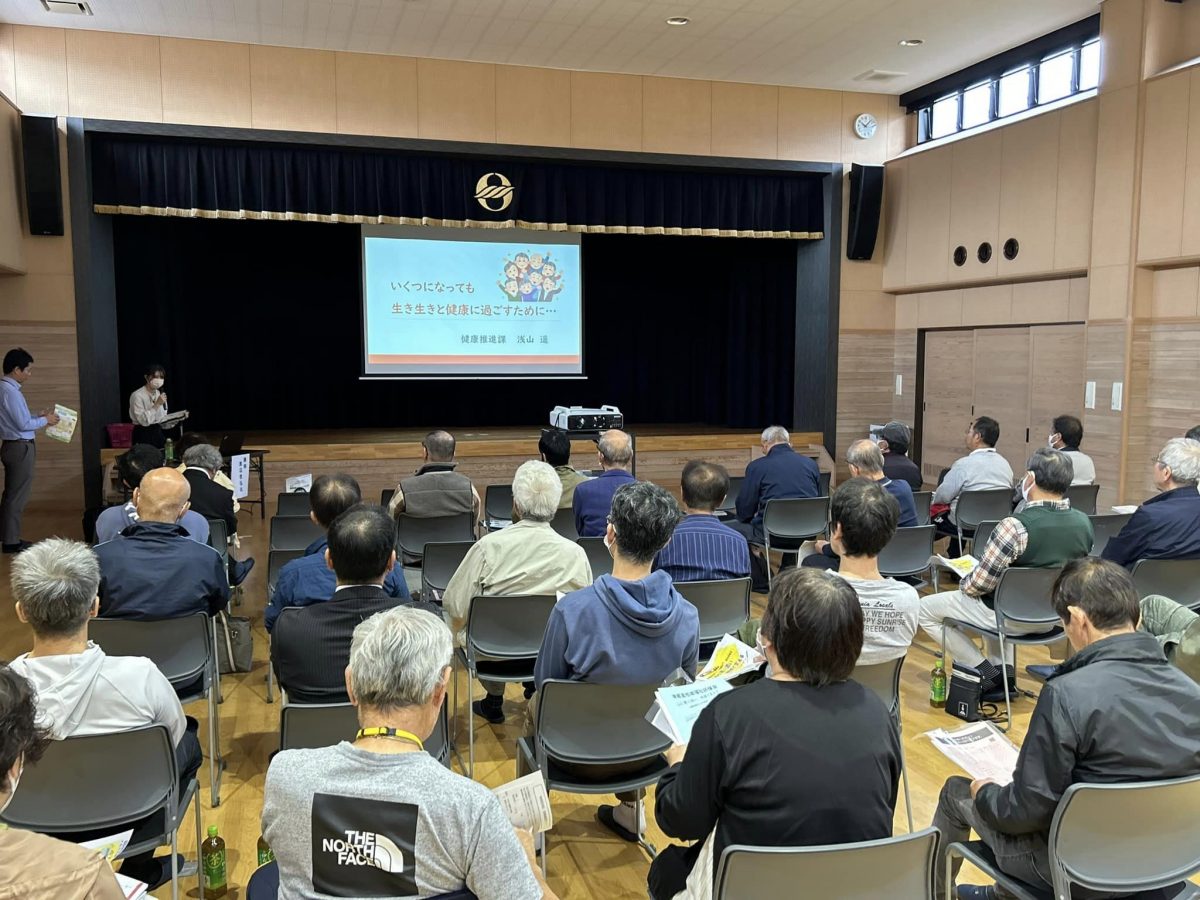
{"x":37,"y":867}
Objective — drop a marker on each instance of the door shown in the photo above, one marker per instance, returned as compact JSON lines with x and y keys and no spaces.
{"x":1002,"y":387}
{"x":947,"y":398}
{"x":1056,"y":376}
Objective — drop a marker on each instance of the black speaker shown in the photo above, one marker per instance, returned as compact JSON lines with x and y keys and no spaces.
{"x":866,"y":195}
{"x":43,"y":184}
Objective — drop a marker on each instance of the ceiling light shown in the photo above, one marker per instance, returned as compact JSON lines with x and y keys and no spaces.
{"x":912,"y":42}
{"x":678,"y":20}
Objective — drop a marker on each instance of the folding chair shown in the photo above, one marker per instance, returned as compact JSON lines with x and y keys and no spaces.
{"x":983,"y":533}
{"x":1118,"y":838}
{"x":293,"y":505}
{"x":891,"y":867}
{"x":218,"y":539}
{"x":385,"y":496}
{"x":724,"y":606}
{"x":564,"y":523}
{"x":729,"y":504}
{"x":1106,"y":526}
{"x":908,"y":552}
{"x":264,"y":885}
{"x":600,"y":725}
{"x":1178,"y":579}
{"x":1023,"y":597}
{"x":293,"y":532}
{"x":975,"y":507}
{"x":413,"y":532}
{"x":884,"y":680}
{"x":504,"y":635}
{"x":788,"y":523}
{"x":304,"y":726}
{"x":276,"y":560}
{"x":497,"y":506}
{"x":106,"y":782}
{"x":823,"y":479}
{"x":184,"y":650}
{"x":598,"y":556}
{"x":1083,"y":497}
{"x":440,"y":563}
{"x":922,"y":500}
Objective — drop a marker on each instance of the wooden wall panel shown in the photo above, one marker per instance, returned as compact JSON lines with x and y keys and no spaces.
{"x":1078,"y":300}
{"x":113,"y":76}
{"x":1002,"y":387}
{"x":865,"y":387}
{"x":810,"y":124}
{"x":940,"y":309}
{"x":1056,"y":362}
{"x":1029,"y":195}
{"x":40,"y":56}
{"x":745,"y":120}
{"x":894,"y":224}
{"x":974,"y":202}
{"x":928,"y":222}
{"x":376,"y":94}
{"x":1116,"y":144}
{"x":533,"y":106}
{"x":1190,"y":243}
{"x":948,"y":395}
{"x":676,"y":116}
{"x":1164,"y":155}
{"x":8,"y":63}
{"x":904,"y":404}
{"x":1076,"y":185}
{"x":456,"y":100}
{"x":1121,"y":28}
{"x":293,"y":89}
{"x":988,"y":305}
{"x":606,"y":111}
{"x":1108,"y":292}
{"x":1175,"y":294}
{"x":205,"y":82}
{"x":1102,"y":426}
{"x":12,"y":191}
{"x":870,"y":151}
{"x":1042,"y":301}
{"x":1166,"y":369}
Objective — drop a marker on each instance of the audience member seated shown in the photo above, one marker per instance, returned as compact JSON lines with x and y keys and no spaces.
{"x":1177,"y":629}
{"x":211,"y":500}
{"x":894,"y":441}
{"x":555,"y":449}
{"x":1166,"y":526}
{"x":1046,"y":534}
{"x":1067,"y":435}
{"x":346,"y":820}
{"x":631,"y":627}
{"x":435,"y":489}
{"x":191,"y":439}
{"x":82,"y":691}
{"x":741,"y":780}
{"x":593,"y":497}
{"x":865,"y":460}
{"x":1115,"y":712}
{"x":310,"y":644}
{"x":154,"y":570}
{"x":132,"y":466}
{"x":702,"y":547}
{"x":309,"y":579}
{"x":526,"y":558}
{"x":981,"y":469}
{"x":35,"y":866}
{"x":863,"y":519}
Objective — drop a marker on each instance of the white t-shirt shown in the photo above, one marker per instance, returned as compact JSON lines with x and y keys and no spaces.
{"x":890,"y":610}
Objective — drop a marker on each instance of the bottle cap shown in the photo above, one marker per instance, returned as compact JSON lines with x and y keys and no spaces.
{"x":212,"y":830}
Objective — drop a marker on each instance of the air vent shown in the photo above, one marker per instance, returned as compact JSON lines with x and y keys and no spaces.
{"x":68,"y":7}
{"x":879,"y":75}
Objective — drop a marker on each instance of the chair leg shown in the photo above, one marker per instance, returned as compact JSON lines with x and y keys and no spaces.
{"x":907,"y":791}
{"x":949,"y":895}
{"x":214,"y":750}
{"x":175,"y":863}
{"x":767,"y":559}
{"x":270,"y":682}
{"x":1004,"y":677}
{"x":199,"y":844}
{"x":470,"y":714}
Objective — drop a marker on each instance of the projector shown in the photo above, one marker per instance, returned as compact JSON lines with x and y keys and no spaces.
{"x":585,"y":418}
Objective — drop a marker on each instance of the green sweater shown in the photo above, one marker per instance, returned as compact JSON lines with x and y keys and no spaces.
{"x":1056,"y":536}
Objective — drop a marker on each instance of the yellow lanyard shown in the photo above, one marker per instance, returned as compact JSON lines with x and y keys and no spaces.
{"x":398,"y":733}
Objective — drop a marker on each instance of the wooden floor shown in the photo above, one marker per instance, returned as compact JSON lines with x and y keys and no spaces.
{"x":585,"y":861}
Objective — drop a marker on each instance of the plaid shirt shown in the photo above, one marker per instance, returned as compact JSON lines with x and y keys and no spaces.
{"x":1004,"y":547}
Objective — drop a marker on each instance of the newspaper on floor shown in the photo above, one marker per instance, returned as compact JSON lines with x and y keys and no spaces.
{"x":962,"y":566}
{"x":526,"y":803}
{"x":676,"y":708}
{"x":980,"y":749}
{"x":730,"y":659}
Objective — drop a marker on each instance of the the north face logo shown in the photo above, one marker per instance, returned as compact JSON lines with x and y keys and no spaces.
{"x":363,"y":847}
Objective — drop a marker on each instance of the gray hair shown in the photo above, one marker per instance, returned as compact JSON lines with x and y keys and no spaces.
{"x":776,"y":434}
{"x":865,"y":456}
{"x":1182,"y":457}
{"x":203,"y":456}
{"x":397,"y":658}
{"x":439,"y":445}
{"x":56,"y":581}
{"x":1052,"y":470}
{"x":614,"y":445}
{"x":644,"y":517}
{"x":536,"y":491}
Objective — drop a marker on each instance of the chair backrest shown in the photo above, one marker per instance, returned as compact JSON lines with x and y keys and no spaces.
{"x":305,"y":726}
{"x":413,"y":533}
{"x":1023,"y":595}
{"x":1126,"y":837}
{"x":598,"y":556}
{"x":884,"y":680}
{"x":508,"y":627}
{"x":564,"y":523}
{"x":597,"y":723}
{"x":385,"y":496}
{"x":823,"y":483}
{"x":922,"y":500}
{"x":892,"y":867}
{"x":294,"y":504}
{"x":181,"y":648}
{"x":735,"y":487}
{"x":498,"y":502}
{"x":276,"y":560}
{"x":796,"y":519}
{"x":231,"y":444}
{"x":102,"y":781}
{"x":218,"y":537}
{"x":441,"y":561}
{"x":724,"y":605}
{"x":983,"y":533}
{"x":1105,"y":526}
{"x":1083,"y":497}
{"x":981,"y":506}
{"x":908,"y":552}
{"x":1178,"y":579}
{"x":293,"y":532}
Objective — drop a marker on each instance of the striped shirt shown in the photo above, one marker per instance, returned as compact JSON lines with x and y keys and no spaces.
{"x":703,"y":549}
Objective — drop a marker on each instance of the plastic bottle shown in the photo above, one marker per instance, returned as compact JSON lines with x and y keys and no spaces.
{"x":212,"y":857}
{"x":937,"y":685}
{"x":265,"y":854}
{"x":169,"y":451}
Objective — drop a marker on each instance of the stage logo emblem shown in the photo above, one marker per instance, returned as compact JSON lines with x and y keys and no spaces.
{"x":494,"y":192}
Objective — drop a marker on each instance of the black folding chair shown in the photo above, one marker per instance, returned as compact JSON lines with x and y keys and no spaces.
{"x":306,"y":726}
{"x":1106,"y":526}
{"x":497,"y":506}
{"x":723,"y":605}
{"x":440,"y":562}
{"x":884,"y":680}
{"x":1178,"y":579}
{"x":975,"y":507}
{"x":294,"y":504}
{"x":293,"y":532}
{"x":598,"y":556}
{"x":729,"y":504}
{"x":922,"y":500}
{"x":908,"y":552}
{"x":788,"y":523}
{"x":413,"y":532}
{"x":564,"y":523}
{"x":1083,"y":497}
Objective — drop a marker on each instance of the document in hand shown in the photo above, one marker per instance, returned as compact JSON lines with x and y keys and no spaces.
{"x":980,"y":748}
{"x":962,"y":566}
{"x":110,"y":848}
{"x":175,"y":418}
{"x":730,"y":659}
{"x":526,"y":804}
{"x":65,"y":429}
{"x":676,"y":709}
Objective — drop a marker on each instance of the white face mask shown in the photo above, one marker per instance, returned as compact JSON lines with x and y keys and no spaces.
{"x":1025,"y":490}
{"x":156,"y":383}
{"x":607,"y":543}
{"x":12,"y":788}
{"x":1051,"y":442}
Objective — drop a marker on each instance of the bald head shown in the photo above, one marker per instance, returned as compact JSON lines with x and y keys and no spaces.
{"x":439,"y":446}
{"x":616,"y":450}
{"x":865,"y":458}
{"x":162,"y":496}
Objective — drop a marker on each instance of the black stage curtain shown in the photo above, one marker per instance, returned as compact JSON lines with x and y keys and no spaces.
{"x":212,"y":179}
{"x":258,"y":325}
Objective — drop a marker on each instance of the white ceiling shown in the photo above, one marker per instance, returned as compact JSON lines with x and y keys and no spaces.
{"x":810,"y":43}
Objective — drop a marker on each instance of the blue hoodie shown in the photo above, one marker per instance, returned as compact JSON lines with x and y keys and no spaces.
{"x":620,"y":632}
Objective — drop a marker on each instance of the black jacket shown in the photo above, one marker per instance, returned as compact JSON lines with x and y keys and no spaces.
{"x":210,"y":499}
{"x":153,"y":570}
{"x":1116,"y":712}
{"x":900,"y":468}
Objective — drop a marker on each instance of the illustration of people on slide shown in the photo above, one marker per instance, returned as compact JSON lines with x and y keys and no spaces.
{"x":530,"y":277}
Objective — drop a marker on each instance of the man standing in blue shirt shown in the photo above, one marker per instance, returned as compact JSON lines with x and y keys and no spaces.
{"x":702,"y":547}
{"x":17,"y":450}
{"x":593,"y":499}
